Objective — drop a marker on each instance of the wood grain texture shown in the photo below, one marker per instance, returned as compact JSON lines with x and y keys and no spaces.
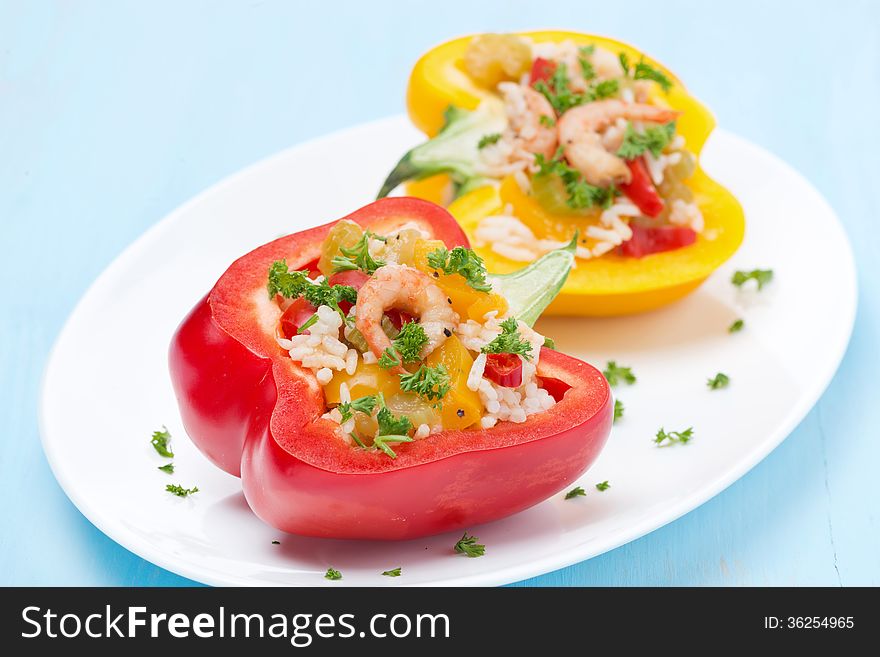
{"x":112,"y":114}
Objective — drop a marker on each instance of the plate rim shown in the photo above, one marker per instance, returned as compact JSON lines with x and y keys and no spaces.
{"x":505,"y":575}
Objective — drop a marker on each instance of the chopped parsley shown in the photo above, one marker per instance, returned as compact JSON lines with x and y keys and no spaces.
{"x":293,"y":284}
{"x":577,"y":491}
{"x":169,"y":468}
{"x":618,"y":409}
{"x":737,"y":326}
{"x":394,"y":572}
{"x":606,"y":89}
{"x":358,"y":256}
{"x":468,"y":545}
{"x":655,"y":138}
{"x":581,"y":194}
{"x":616,"y":373}
{"x":361,"y":404}
{"x":557,"y":91}
{"x":549,"y":343}
{"x":509,"y":341}
{"x":644,"y":71}
{"x":333,"y":574}
{"x":160,"y":443}
{"x":392,"y":429}
{"x":674,"y":436}
{"x":720,"y":380}
{"x":587,"y":70}
{"x":602,"y":486}
{"x":547,"y":121}
{"x":308,"y":323}
{"x":428,"y":382}
{"x":461,"y":261}
{"x":760,"y":276}
{"x":180,"y":491}
{"x":488,"y":140}
{"x":406,"y":347}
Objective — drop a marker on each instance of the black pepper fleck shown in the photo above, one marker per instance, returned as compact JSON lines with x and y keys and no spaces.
{"x":447,"y":333}
{"x":460,"y":412}
{"x":436,"y":275}
{"x":449,"y":300}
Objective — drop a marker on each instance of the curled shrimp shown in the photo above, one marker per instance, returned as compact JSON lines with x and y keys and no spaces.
{"x":579,"y":132}
{"x":525,"y":107}
{"x":408,"y":289}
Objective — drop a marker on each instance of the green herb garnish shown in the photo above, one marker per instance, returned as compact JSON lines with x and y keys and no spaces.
{"x":293,"y":284}
{"x":720,"y":380}
{"x":549,"y":343}
{"x":358,"y":256}
{"x":169,"y":468}
{"x":577,"y":491}
{"x":557,"y":91}
{"x":461,"y":261}
{"x":674,"y":436}
{"x":509,"y":341}
{"x":160,"y":443}
{"x":428,"y":382}
{"x":488,"y":140}
{"x":406,"y":347}
{"x":394,"y":572}
{"x":602,"y":486}
{"x":605,"y":89}
{"x":644,"y":71}
{"x":618,"y":410}
{"x":180,"y":491}
{"x":737,"y":326}
{"x":333,"y":574}
{"x":468,"y":545}
{"x":760,"y":276}
{"x":547,"y":121}
{"x":615,"y":373}
{"x":655,"y":138}
{"x":581,"y":194}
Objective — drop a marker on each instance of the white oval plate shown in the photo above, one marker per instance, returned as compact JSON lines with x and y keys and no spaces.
{"x":107,"y":388}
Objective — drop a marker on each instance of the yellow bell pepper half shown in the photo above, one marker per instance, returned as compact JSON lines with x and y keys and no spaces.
{"x":610,"y":284}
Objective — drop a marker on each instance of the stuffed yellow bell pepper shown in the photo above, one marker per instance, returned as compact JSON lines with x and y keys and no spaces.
{"x":542,"y":136}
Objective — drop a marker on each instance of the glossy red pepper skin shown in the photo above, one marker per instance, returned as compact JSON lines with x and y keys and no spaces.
{"x":257,"y":414}
{"x":640,"y":189}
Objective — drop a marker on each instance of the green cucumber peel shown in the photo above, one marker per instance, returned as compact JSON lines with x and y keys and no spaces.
{"x":530,"y":290}
{"x":454,"y":150}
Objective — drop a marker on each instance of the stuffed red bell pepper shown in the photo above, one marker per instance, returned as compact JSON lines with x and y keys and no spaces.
{"x":369,"y":379}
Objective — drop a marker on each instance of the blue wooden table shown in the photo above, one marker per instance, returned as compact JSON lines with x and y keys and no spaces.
{"x":113,"y":113}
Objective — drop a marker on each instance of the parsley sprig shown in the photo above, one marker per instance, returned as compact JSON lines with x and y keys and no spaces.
{"x":602,"y":486}
{"x":358,"y":256}
{"x":682,"y":437}
{"x":644,"y":71}
{"x":394,"y":572}
{"x":655,"y":138}
{"x":618,"y":410}
{"x":736,"y":326}
{"x":615,"y":373}
{"x":362,"y":404}
{"x":293,"y":284}
{"x":461,"y":261}
{"x":760,"y":276}
{"x":581,"y":194}
{"x":720,"y":380}
{"x":468,"y":546}
{"x":180,"y":491}
{"x":509,"y":341}
{"x":406,"y":347}
{"x":168,"y":468}
{"x":332,"y":574}
{"x":577,"y":491}
{"x":428,"y":382}
{"x":161,"y":443}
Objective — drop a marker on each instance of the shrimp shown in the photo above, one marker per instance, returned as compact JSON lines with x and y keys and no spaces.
{"x":408,"y":289}
{"x":579,"y":132}
{"x":525,"y":107}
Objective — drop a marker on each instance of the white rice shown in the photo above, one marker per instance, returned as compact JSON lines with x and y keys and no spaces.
{"x":683,"y":213}
{"x":476,"y":373}
{"x":422,"y":432}
{"x":320,"y":350}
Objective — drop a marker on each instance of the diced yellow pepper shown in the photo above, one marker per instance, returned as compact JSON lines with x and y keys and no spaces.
{"x":368,"y":379}
{"x":461,"y":405}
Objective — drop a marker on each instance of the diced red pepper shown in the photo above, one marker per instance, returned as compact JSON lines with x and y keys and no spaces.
{"x":640,"y":189}
{"x":656,"y":239}
{"x":297,"y":314}
{"x":398,"y":317}
{"x":542,"y":69}
{"x":504,"y":369}
{"x":556,"y":388}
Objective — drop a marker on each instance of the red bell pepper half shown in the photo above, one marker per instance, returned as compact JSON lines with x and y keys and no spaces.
{"x":256,"y":413}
